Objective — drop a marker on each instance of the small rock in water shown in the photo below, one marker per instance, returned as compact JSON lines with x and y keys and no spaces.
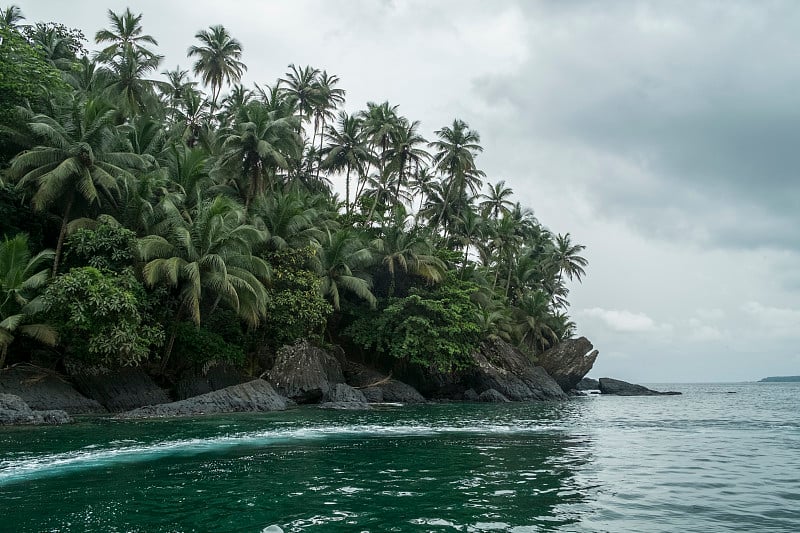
{"x":272,"y":529}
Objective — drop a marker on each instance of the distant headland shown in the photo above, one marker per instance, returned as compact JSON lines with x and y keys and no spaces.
{"x":780,"y":379}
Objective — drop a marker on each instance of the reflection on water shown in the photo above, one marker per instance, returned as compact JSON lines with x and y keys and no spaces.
{"x":703,"y":461}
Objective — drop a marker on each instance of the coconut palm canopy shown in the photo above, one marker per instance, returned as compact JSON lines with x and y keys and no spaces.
{"x":219,"y":206}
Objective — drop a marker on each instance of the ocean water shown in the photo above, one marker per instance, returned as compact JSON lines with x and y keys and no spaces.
{"x":721,"y":457}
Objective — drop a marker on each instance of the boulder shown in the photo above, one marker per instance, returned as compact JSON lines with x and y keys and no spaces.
{"x":373,"y":394}
{"x":45,"y":390}
{"x":492,"y":396}
{"x":344,"y":393}
{"x":568,"y":361}
{"x":378,"y":388}
{"x":216,"y":377}
{"x":13,"y":410}
{"x":343,"y":396}
{"x":623,"y":388}
{"x":305,"y":373}
{"x":500,"y":366}
{"x":253,"y":396}
{"x":117,"y":390}
{"x":587,"y":384}
{"x":471,"y":396}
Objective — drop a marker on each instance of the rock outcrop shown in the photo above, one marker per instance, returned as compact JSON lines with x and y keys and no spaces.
{"x":623,"y":388}
{"x":501,"y":367}
{"x":343,"y":396}
{"x":117,"y":390}
{"x":217,"y":377}
{"x":587,"y":384}
{"x":253,"y":396}
{"x":46,"y":390}
{"x":305,"y":373}
{"x":378,"y":388}
{"x":13,"y":410}
{"x":568,"y":361}
{"x":492,"y":396}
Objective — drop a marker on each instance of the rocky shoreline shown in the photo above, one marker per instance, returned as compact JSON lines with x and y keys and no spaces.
{"x":301,"y":374}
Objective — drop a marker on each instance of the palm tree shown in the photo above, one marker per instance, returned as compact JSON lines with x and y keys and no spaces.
{"x":260,"y":144}
{"x":347,"y":150}
{"x":127,"y":73}
{"x":11,"y":16}
{"x":20,"y":278}
{"x":328,"y":98}
{"x":74,"y":161}
{"x":407,"y":251}
{"x":290,"y":219}
{"x":209,"y":255}
{"x":497,"y":201}
{"x":566,"y":258}
{"x":457,"y":148}
{"x":301,"y":84}
{"x":217,"y":59}
{"x":532,"y":314}
{"x":339,"y":260}
{"x":404,"y":151}
{"x":470,"y":229}
{"x":126,"y":32}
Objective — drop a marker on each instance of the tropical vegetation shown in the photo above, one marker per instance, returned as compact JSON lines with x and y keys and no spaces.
{"x":149,"y":218}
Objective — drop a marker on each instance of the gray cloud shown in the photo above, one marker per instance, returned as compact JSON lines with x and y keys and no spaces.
{"x":700,"y":99}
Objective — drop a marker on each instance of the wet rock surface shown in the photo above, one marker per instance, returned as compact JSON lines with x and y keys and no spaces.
{"x":117,"y":390}
{"x":45,"y":390}
{"x":305,"y":373}
{"x":253,"y":396}
{"x":568,"y":362}
{"x":14,"y":410}
{"x":500,"y":366}
{"x":617,"y":387}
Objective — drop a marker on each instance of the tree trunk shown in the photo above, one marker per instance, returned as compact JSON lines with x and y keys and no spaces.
{"x":62,"y":233}
{"x":171,"y":341}
{"x":347,"y":190}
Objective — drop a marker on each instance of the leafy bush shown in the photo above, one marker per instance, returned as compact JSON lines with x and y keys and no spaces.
{"x":296,"y":308}
{"x":108,"y":247}
{"x":433,"y":329}
{"x":102,"y":317}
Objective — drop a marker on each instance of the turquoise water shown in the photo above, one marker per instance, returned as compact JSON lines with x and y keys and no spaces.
{"x":718,"y":458}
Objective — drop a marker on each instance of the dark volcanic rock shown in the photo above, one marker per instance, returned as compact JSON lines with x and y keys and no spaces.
{"x":378,"y":388}
{"x":623,"y":388}
{"x":253,"y":396}
{"x":587,"y":384}
{"x":397,"y":391}
{"x":492,"y":396}
{"x":373,"y":394}
{"x":215,"y":378}
{"x":305,"y":373}
{"x":343,"y":393}
{"x":46,"y":390}
{"x":470,"y":395}
{"x":568,"y":362}
{"x":500,"y":366}
{"x":13,"y":410}
{"x":117,"y":390}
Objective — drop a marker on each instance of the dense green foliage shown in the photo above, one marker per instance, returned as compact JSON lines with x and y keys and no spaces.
{"x":101,"y":317}
{"x":108,"y":247}
{"x":433,"y":328}
{"x":188,"y":226}
{"x":296,"y":308}
{"x":199,"y":346}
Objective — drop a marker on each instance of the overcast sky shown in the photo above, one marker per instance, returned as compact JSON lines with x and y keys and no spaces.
{"x":665,"y":136}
